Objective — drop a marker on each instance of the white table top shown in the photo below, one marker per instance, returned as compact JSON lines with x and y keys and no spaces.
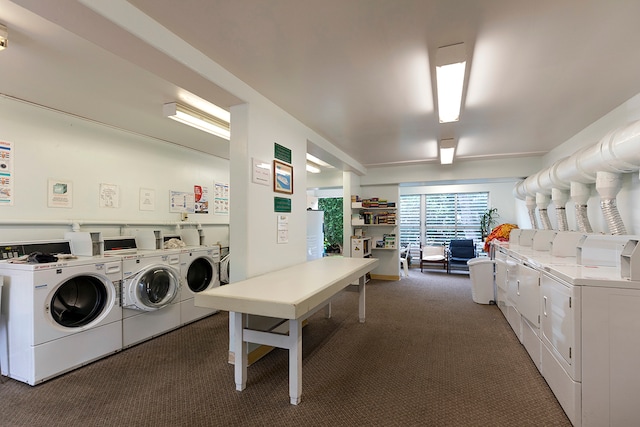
{"x":289,"y":293}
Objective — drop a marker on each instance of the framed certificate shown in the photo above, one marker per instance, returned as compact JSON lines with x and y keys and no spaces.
{"x":282,"y":177}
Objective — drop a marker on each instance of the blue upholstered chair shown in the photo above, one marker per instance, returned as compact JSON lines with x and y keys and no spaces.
{"x":460,"y":251}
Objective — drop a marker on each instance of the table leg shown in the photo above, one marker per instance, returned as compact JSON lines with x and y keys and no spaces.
{"x":327,"y":311}
{"x":361,"y":301}
{"x":240,"y":351}
{"x":295,"y":361}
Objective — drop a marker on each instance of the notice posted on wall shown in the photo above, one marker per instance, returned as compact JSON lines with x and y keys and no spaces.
{"x":59,"y":194}
{"x":181,"y":201}
{"x":283,"y":229}
{"x":6,"y":173}
{"x":201,"y":199}
{"x":109,"y":196}
{"x":221,"y":198}
{"x":147,"y":199}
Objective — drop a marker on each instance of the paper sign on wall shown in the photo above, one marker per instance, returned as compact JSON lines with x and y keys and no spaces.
{"x":6,"y":173}
{"x":283,"y":229}
{"x":201,"y":195}
{"x":109,"y":196}
{"x":181,"y":201}
{"x":221,"y":199}
{"x":147,"y":199}
{"x":59,"y":194}
{"x":261,"y":173}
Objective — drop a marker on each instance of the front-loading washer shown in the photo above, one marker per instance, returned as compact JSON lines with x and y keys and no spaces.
{"x":150,"y":289}
{"x":57,"y":316}
{"x":199,"y":267}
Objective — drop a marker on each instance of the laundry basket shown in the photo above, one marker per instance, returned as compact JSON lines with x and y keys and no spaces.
{"x":481,"y":272}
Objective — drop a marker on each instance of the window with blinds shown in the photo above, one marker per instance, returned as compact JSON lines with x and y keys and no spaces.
{"x":439,"y":218}
{"x":410,"y":221}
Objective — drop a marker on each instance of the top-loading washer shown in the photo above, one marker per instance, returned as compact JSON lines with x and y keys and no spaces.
{"x":57,"y":316}
{"x":150,"y":289}
{"x":199,"y":266}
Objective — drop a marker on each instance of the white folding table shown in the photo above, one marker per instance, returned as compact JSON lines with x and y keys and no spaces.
{"x":293,"y":293}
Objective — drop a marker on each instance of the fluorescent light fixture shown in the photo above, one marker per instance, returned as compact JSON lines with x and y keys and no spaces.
{"x":4,"y":37}
{"x":317,"y":161}
{"x":312,"y":168}
{"x":447,"y":151}
{"x":450,"y":68}
{"x":197,"y":119}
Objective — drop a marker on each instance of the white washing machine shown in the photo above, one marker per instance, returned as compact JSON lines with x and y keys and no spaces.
{"x":57,"y":316}
{"x":199,"y":267}
{"x":150,"y":290}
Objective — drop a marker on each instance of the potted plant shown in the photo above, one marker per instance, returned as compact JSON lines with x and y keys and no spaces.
{"x":488,"y":219}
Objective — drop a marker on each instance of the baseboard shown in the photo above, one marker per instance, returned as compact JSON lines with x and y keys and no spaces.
{"x":384,"y":277}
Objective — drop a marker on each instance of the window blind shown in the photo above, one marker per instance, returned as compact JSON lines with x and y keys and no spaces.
{"x":445,"y":216}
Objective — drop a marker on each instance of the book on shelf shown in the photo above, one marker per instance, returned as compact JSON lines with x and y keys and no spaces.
{"x":389,"y":241}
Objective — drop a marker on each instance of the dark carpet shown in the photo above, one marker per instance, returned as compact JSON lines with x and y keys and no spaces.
{"x":426,"y":356}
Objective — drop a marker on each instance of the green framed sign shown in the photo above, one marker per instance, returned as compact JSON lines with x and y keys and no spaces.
{"x":282,"y":153}
{"x":281,"y":204}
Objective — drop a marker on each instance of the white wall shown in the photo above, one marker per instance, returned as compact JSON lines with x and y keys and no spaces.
{"x":256,"y":127}
{"x":49,"y":144}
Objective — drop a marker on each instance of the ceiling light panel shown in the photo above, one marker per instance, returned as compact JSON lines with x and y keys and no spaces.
{"x":447,"y":151}
{"x":197,"y":119}
{"x":450,"y":72}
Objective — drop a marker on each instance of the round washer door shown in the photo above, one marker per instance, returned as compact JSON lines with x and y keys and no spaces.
{"x":79,"y":301}
{"x":154,"y":287}
{"x":200,"y":275}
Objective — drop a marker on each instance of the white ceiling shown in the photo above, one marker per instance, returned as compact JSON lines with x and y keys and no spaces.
{"x":358,"y":72}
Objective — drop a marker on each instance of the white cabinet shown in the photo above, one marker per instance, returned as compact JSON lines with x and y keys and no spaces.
{"x":513,"y":314}
{"x":560,"y":328}
{"x":560,"y":322}
{"x":501,"y":280}
{"x":610,"y":356}
{"x":522,"y":303}
{"x":528,"y":304}
{"x":360,"y":247}
{"x":583,"y":332}
{"x":528,"y":293}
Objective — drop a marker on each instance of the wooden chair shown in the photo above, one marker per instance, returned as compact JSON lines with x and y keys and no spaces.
{"x":433,"y":254}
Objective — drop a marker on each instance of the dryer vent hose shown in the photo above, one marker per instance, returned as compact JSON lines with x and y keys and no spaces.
{"x":532,"y":218}
{"x":561,"y":213}
{"x":544,"y":218}
{"x":612,"y":216}
{"x":582,"y":220}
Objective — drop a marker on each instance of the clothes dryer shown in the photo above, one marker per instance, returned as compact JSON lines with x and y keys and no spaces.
{"x":150,"y":289}
{"x":199,"y":266}
{"x":57,"y":316}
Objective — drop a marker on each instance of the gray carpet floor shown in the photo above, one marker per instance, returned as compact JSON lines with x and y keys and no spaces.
{"x":426,"y":356}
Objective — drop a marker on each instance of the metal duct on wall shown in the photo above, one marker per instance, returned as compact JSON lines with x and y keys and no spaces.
{"x":531,"y":208}
{"x":617,"y":152}
{"x":542,"y":201}
{"x":560,"y":198}
{"x":608,"y":185}
{"x":580,"y":194}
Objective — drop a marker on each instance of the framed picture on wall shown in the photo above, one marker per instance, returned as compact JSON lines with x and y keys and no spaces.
{"x":282,"y":177}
